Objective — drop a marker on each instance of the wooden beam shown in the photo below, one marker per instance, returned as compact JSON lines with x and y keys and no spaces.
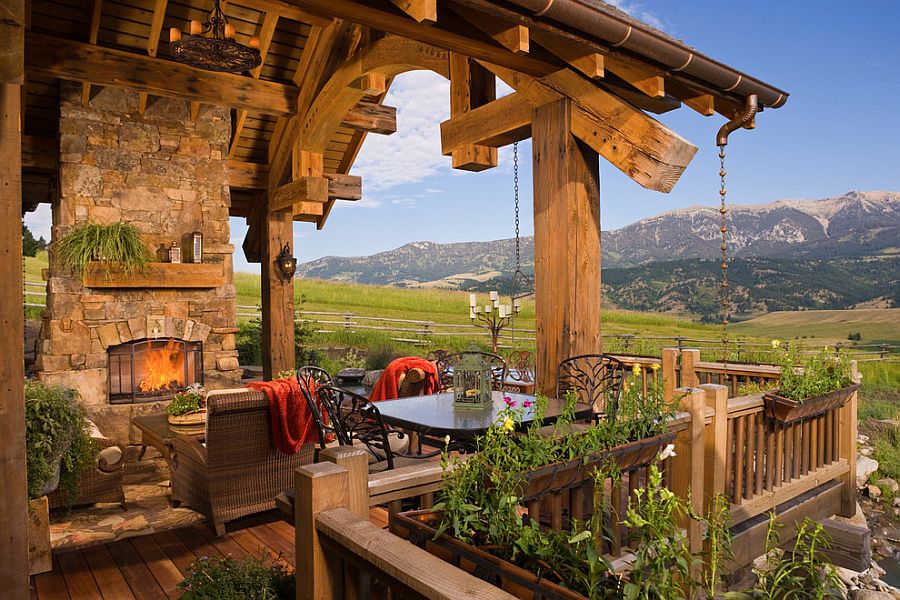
{"x":344,"y":187}
{"x":14,"y":496}
{"x":701,"y":102}
{"x":566,"y":242}
{"x":578,"y":57}
{"x":423,"y":11}
{"x":641,"y":147}
{"x":471,"y":86}
{"x":159,"y":15}
{"x":76,"y":61}
{"x":512,"y":36}
{"x":646,"y":79}
{"x":92,"y":39}
{"x":40,"y":153}
{"x":266,"y":31}
{"x":372,"y":117}
{"x":498,"y":123}
{"x":371,"y":84}
{"x":288,"y":10}
{"x":277,"y":295}
{"x":302,"y":189}
{"x":400,"y":25}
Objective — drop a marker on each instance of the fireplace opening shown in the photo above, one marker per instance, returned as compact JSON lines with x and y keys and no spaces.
{"x":153,"y":370}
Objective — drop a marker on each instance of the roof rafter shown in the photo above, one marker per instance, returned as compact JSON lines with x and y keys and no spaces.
{"x":159,"y":15}
{"x":96,"y":11}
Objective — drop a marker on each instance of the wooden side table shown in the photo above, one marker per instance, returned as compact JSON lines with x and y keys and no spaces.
{"x":155,"y":432}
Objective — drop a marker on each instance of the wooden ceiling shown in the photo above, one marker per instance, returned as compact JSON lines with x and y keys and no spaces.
{"x":142,"y":27}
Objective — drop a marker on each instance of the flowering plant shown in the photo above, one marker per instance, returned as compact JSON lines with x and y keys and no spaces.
{"x":192,"y":399}
{"x":810,"y":376}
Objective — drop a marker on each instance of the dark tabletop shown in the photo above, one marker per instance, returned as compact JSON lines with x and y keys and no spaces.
{"x":436,"y":416}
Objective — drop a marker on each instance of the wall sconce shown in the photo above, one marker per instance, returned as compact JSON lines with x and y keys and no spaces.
{"x":286,"y":263}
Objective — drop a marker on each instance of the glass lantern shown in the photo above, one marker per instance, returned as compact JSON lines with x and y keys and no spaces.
{"x":472,"y":382}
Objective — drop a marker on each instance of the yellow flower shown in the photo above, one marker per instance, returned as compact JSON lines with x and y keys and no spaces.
{"x":636,"y":369}
{"x":508,"y":424}
{"x":775,"y":343}
{"x":655,"y":366}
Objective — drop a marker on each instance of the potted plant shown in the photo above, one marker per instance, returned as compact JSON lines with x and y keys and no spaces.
{"x":481,"y":522}
{"x":58,"y":448}
{"x":810,"y":386}
{"x":117,"y":246}
{"x":187,"y":411}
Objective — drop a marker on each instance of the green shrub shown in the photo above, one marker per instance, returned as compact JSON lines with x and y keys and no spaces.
{"x":118,"y":243}
{"x":57,"y":433}
{"x":229,"y":579}
{"x":810,"y":376}
{"x":248,"y":342}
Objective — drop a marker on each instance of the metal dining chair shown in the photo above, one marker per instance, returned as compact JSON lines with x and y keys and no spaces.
{"x":316,"y":377}
{"x":596,"y":378}
{"x":446,"y":363}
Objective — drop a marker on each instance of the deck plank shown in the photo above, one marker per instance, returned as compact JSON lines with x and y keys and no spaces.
{"x":228,"y":546}
{"x":79,"y":579}
{"x":199,"y":544}
{"x":142,"y":582}
{"x":282,"y":548}
{"x":164,"y":570}
{"x":106,"y":573}
{"x":175,"y":549}
{"x":52,"y":585}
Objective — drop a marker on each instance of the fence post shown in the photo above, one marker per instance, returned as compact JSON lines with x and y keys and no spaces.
{"x":319,"y":487}
{"x":356,"y":461}
{"x":716,"y":441}
{"x":688,"y":470}
{"x":689,"y":358}
{"x":670,"y":381}
{"x":849,"y":432}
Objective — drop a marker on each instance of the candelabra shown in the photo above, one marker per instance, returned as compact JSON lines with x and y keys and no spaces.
{"x":494,"y":316}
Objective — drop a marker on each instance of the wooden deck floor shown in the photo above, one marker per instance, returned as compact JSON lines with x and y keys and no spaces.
{"x":150,"y":567}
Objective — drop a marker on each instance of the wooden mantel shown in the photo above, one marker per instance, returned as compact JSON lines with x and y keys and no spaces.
{"x":157,"y":275}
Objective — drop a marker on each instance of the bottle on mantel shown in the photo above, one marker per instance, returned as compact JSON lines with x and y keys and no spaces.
{"x":175,"y":253}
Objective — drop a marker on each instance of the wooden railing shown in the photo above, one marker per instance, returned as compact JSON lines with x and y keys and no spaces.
{"x":724,"y":445}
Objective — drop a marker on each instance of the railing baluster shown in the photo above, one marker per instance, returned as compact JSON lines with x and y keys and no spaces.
{"x":739,"y":451}
{"x":730,"y":450}
{"x":760,"y":452}
{"x":750,"y":420}
{"x":797,"y":450}
{"x":821,"y":451}
{"x":779,"y":455}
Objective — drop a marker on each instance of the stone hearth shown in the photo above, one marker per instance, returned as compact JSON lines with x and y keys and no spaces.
{"x":167,"y":175}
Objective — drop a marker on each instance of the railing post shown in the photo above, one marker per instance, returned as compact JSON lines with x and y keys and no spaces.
{"x":849,"y":425}
{"x":356,"y":461}
{"x":689,"y":358}
{"x":670,"y":377}
{"x":716,"y":441}
{"x":319,"y":487}
{"x":688,"y":468}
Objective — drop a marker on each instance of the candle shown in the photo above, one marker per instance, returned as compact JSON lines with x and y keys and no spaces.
{"x":502,"y":309}
{"x":174,"y":35}
{"x":488,"y":308}
{"x":495,"y":296}
{"x":254,"y":42}
{"x":496,"y":302}
{"x":517,"y":304}
{"x":229,"y":30}
{"x":472,"y":300}
{"x":196,"y":28}
{"x":472,"y":312}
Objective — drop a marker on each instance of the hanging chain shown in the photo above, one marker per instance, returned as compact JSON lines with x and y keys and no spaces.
{"x":516,"y":194}
{"x":723,"y":211}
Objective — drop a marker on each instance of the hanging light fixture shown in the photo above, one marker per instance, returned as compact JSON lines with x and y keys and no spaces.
{"x":211,"y":45}
{"x":286,"y":263}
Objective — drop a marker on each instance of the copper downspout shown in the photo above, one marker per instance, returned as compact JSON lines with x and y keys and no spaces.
{"x":742,"y":120}
{"x":588,"y":17}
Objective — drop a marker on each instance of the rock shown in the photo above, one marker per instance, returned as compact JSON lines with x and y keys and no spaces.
{"x":862,"y":439}
{"x":888,"y":484}
{"x":873,"y":491}
{"x":897,"y":502}
{"x":865,"y":451}
{"x":870,"y":595}
{"x":865,"y":466}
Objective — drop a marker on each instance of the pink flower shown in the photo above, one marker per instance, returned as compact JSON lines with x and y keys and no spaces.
{"x":509,"y":401}
{"x":527,"y":403}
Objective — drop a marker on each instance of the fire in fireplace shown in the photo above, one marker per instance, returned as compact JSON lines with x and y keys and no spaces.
{"x":153,"y":370}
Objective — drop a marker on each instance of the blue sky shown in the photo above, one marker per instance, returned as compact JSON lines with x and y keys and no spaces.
{"x":840,"y":130}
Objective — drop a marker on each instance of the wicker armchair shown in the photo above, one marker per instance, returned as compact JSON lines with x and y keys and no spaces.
{"x":238,"y":471}
{"x":103,"y":481}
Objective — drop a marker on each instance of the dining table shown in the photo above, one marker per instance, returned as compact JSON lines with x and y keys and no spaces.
{"x":435,"y":417}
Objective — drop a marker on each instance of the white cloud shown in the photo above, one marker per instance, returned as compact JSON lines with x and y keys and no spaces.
{"x":39,"y":221}
{"x":413,"y":153}
{"x":638,"y":11}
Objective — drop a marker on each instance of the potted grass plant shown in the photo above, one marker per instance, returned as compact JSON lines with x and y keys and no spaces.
{"x":810,"y":385}
{"x":116,"y":247}
{"x":187,"y":411}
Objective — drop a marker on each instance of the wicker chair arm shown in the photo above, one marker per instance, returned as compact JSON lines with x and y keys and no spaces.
{"x":186,"y":447}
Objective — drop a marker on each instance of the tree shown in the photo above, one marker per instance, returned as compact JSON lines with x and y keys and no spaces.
{"x":30,"y":246}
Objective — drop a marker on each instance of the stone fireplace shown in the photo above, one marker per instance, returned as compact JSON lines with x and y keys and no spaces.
{"x":128,"y":344}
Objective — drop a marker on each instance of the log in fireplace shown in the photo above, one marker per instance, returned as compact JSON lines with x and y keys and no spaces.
{"x":151,"y":370}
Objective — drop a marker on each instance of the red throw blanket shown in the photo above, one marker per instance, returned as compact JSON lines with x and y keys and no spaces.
{"x":388,"y":385}
{"x":292,"y":423}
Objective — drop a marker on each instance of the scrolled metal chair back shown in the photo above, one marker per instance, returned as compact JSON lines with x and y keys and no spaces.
{"x":316,"y":378}
{"x":521,"y":366}
{"x":595,"y":378}
{"x":355,"y":418}
{"x":497,"y":365}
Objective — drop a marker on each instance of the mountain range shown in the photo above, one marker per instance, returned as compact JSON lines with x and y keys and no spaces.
{"x":808,"y":251}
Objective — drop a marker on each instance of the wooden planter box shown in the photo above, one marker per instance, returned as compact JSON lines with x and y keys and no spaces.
{"x":561,"y":476}
{"x":419,"y":528}
{"x":156,"y":275}
{"x":785,"y":411}
{"x":191,"y":423}
{"x":38,"y":535}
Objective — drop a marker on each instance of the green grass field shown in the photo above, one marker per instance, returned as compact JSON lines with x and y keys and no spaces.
{"x":826,"y":326}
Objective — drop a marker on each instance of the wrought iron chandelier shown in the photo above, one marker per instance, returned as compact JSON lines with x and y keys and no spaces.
{"x":211,"y":45}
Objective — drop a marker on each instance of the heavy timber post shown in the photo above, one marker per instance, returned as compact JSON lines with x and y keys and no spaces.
{"x":277,"y":295}
{"x":566,"y":242}
{"x":13,"y":497}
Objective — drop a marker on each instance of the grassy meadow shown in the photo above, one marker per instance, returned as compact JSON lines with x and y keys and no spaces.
{"x":876,"y":325}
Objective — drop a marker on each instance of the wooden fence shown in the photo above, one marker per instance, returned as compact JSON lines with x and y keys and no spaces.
{"x":724,"y":445}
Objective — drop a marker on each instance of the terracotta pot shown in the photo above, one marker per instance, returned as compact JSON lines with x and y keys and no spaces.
{"x":785,"y":411}
{"x":418,"y":527}
{"x":191,"y":423}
